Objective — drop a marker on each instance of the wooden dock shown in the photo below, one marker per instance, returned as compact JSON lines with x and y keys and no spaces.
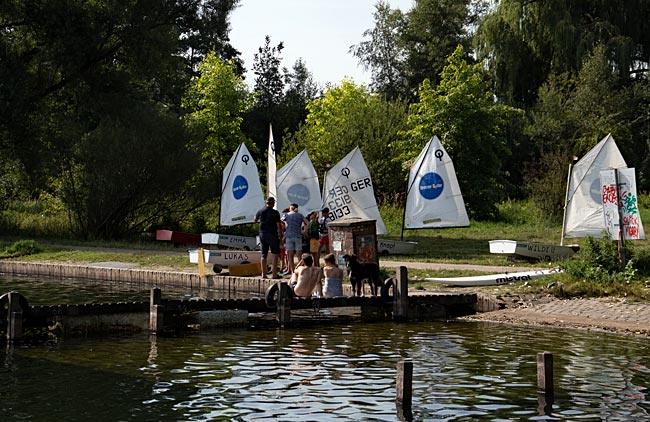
{"x":276,"y":307}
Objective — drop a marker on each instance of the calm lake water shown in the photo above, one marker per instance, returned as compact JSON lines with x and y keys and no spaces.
{"x":462,"y":371}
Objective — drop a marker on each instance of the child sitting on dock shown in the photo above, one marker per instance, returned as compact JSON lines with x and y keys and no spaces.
{"x":333,"y":277}
{"x":306,"y":278}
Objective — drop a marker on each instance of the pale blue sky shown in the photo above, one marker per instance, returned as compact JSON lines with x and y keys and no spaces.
{"x":319,"y":31}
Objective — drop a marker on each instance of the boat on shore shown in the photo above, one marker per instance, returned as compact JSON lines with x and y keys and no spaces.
{"x":221,"y":259}
{"x":532,"y":250}
{"x":494,"y":279}
{"x":395,"y":247}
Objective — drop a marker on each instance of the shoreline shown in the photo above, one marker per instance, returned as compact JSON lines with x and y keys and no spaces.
{"x":613,"y":315}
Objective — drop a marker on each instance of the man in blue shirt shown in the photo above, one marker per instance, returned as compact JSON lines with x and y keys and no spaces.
{"x":296,"y":227}
{"x":270,"y":232}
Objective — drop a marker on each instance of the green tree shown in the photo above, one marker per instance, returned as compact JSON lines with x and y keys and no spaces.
{"x":383,"y":53}
{"x":463,"y":113}
{"x":571,"y":116}
{"x":523,"y":41}
{"x":347,"y":116}
{"x":434,"y":28}
{"x":268,"y":95}
{"x":216,"y":101}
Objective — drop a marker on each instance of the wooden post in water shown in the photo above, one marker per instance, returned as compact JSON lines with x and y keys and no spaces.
{"x":284,"y":304}
{"x":545,"y":372}
{"x":401,"y":296}
{"x":201,"y":263}
{"x":156,"y":311}
{"x":15,"y":317}
{"x":404,"y":389}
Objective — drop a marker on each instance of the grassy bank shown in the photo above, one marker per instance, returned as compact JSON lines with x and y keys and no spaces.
{"x":519,"y":221}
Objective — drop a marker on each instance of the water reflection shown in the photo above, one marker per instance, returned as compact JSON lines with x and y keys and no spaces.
{"x":462,"y":371}
{"x":51,"y":291}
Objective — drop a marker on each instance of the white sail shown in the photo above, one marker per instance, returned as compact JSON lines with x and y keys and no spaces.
{"x":298,"y":183}
{"x":583,"y":214}
{"x":241,"y":192}
{"x":271,"y":180}
{"x":621,"y":206}
{"x":433,"y":198}
{"x":349,"y":193}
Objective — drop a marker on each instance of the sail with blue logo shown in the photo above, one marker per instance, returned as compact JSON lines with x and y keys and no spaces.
{"x":349,"y":191}
{"x":241,"y":191}
{"x":433,"y":197}
{"x":297,"y":183}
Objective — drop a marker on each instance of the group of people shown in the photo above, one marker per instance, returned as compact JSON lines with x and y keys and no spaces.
{"x":283,"y":235}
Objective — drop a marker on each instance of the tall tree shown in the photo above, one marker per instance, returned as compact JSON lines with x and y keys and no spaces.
{"x":462,"y":112}
{"x":434,"y":28}
{"x":268,"y":94}
{"x":64,"y":62}
{"x":383,"y":52}
{"x":347,"y":116}
{"x":524,"y":41}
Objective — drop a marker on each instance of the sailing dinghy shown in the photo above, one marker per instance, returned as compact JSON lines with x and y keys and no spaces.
{"x":241,"y":198}
{"x":589,"y":181}
{"x":297,"y":183}
{"x":349,"y":191}
{"x":433,"y":197}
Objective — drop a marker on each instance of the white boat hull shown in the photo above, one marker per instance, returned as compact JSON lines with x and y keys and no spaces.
{"x":225,"y":258}
{"x":534,"y":250}
{"x":247,"y":243}
{"x":388,"y":247}
{"x":494,"y":279}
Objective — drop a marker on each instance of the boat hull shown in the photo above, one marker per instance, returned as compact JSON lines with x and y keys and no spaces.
{"x":532,"y":250}
{"x":247,"y":243}
{"x":495,"y":279}
{"x":225,"y":258}
{"x":395,"y":247}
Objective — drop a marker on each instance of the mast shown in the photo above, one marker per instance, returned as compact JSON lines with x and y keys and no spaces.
{"x":566,"y":203}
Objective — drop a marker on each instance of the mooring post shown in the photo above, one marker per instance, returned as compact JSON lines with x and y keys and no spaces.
{"x":156,"y":311}
{"x":15,"y":317}
{"x":545,"y":372}
{"x":401,"y":296}
{"x":201,"y":263}
{"x":404,"y":389}
{"x":284,"y":304}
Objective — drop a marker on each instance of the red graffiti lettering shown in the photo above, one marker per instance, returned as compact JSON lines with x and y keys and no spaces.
{"x":609,"y":195}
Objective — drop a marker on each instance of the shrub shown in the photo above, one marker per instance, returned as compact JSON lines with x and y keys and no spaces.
{"x":23,"y":248}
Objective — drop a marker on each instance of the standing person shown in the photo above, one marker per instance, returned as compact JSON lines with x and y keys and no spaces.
{"x":314,"y":236}
{"x":294,"y":222}
{"x":270,"y":234}
{"x":324,"y":242}
{"x":283,"y":249}
{"x":333,"y":277}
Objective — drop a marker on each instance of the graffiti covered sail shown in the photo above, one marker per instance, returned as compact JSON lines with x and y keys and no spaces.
{"x":297,"y":183}
{"x":241,"y":191}
{"x":433,"y":197}
{"x":583,"y":210}
{"x":621,"y":207}
{"x":349,"y":192}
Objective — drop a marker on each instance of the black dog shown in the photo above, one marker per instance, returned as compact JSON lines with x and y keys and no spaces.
{"x":358,"y":272}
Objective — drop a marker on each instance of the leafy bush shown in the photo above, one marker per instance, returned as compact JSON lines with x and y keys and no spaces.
{"x":22,"y":248}
{"x":595,"y":271}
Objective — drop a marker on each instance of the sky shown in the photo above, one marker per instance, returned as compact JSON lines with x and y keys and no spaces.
{"x":318,"y":31}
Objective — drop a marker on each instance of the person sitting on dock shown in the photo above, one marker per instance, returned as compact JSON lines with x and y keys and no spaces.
{"x":306,"y":278}
{"x":333,"y":277}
